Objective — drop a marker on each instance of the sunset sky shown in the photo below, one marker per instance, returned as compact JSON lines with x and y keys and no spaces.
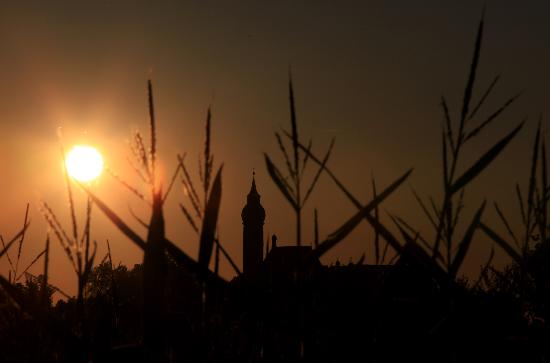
{"x":368,"y":73}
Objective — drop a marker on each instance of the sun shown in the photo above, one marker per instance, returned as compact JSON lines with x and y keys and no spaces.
{"x":84,"y":163}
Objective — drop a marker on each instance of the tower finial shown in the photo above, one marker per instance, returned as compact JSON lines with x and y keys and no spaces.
{"x":253,"y":190}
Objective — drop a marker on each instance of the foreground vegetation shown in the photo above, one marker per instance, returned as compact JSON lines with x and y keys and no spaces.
{"x":174,"y":308}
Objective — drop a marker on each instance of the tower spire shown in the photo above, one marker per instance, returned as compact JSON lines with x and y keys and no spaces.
{"x":253,"y":216}
{"x":253,"y":195}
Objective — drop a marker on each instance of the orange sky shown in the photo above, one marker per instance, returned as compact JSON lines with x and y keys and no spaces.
{"x":369,"y":74}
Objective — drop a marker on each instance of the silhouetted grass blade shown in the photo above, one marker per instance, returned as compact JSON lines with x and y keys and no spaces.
{"x":318,"y":174}
{"x":189,"y":186}
{"x":153,"y":130}
{"x":424,"y":208}
{"x":483,"y":273}
{"x":210,"y":221}
{"x":137,"y":218}
{"x":520,"y":202}
{"x":89,"y":262}
{"x":464,"y":245}
{"x":385,"y":234}
{"x":154,"y":281}
{"x":293,"y":122}
{"x":411,"y":249}
{"x":125,"y":184}
{"x":446,"y":180}
{"x":484,"y":97}
{"x":189,"y":218}
{"x":338,"y":183}
{"x":338,"y":235}
{"x":449,"y":131}
{"x":70,"y":195}
{"x":115,"y":219}
{"x":12,"y":266}
{"x":491,"y":118}
{"x":30,"y":265}
{"x":22,"y":240}
{"x":533,"y":174}
{"x":285,"y":155}
{"x":472,"y":76}
{"x":502,"y":243}
{"x":45,"y":295}
{"x":279,"y":181}
{"x":15,"y":238}
{"x":306,"y":157}
{"x":483,"y":162}
{"x":180,"y":257}
{"x":227,"y":256}
{"x":171,"y":184}
{"x":400,"y":223}
{"x":377,"y":217}
{"x":207,"y":157}
{"x":506,"y":224}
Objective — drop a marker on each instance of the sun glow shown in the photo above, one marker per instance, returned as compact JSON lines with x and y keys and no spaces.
{"x":84,"y":163}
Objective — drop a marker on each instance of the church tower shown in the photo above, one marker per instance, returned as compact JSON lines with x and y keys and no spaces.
{"x":253,"y":216}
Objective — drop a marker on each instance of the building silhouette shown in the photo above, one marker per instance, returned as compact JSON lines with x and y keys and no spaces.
{"x":290,"y":305}
{"x":253,"y":216}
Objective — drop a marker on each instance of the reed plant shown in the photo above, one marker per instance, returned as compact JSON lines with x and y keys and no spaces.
{"x":76,"y":245}
{"x":196,"y":211}
{"x":78,"y":249}
{"x":528,"y":246}
{"x":533,"y":210}
{"x":291,"y":185}
{"x":443,"y":254}
{"x":13,"y":267}
{"x":157,"y":248}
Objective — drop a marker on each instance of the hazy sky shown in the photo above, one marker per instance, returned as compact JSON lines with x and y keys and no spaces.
{"x":369,"y":73}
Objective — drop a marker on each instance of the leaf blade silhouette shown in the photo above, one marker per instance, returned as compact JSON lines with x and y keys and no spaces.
{"x":210,"y":221}
{"x":484,"y":97}
{"x":334,"y":238}
{"x":472,"y":75}
{"x":483,"y":161}
{"x":176,"y":253}
{"x":15,"y":238}
{"x":115,"y":219}
{"x":279,"y":181}
{"x":502,"y":243}
{"x":491,"y":118}
{"x":319,"y":171}
{"x":464,"y":245}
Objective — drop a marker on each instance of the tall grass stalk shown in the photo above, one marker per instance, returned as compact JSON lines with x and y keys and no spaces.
{"x":77,"y":249}
{"x":292,"y":189}
{"x":445,"y":219}
{"x":157,"y":245}
{"x":531,"y":240}
{"x":211,"y":193}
